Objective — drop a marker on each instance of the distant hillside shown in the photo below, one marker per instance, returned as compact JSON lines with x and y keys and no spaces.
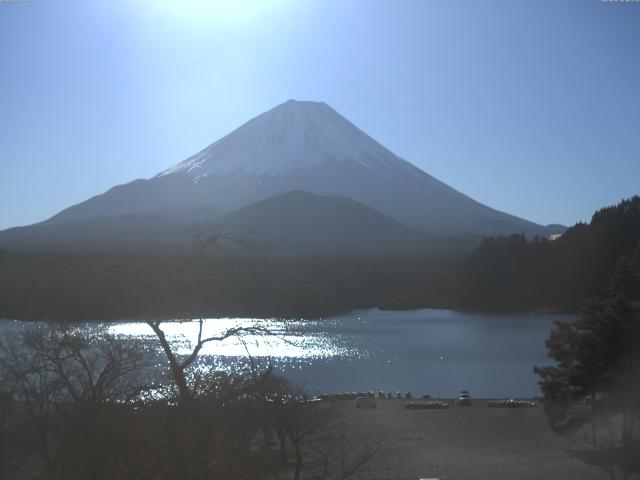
{"x":512,"y":273}
{"x":290,"y":224}
{"x":302,"y":223}
{"x":127,"y":232}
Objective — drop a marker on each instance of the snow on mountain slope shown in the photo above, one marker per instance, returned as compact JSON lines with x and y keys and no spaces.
{"x":292,"y":136}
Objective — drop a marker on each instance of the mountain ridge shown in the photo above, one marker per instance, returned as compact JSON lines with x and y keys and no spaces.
{"x":302,"y":146}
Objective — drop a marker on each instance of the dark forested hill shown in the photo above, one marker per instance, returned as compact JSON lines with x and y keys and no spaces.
{"x":507,"y":273}
{"x":512,"y":273}
{"x":110,"y":286}
{"x":301,"y":223}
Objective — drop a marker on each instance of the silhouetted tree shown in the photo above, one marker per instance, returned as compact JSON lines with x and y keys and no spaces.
{"x":178,"y":366}
{"x":68,"y":395}
{"x":597,"y":377}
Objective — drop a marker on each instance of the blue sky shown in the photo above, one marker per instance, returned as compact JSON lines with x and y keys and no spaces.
{"x":531,"y":107}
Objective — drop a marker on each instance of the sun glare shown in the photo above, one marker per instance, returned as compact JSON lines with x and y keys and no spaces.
{"x":213,"y":11}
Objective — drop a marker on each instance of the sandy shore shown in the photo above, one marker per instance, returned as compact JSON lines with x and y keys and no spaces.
{"x":464,"y":443}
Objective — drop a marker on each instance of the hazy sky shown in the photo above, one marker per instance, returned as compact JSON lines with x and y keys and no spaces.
{"x":531,"y":107}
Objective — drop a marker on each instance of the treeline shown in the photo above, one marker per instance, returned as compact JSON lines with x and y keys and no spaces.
{"x":515,"y":274}
{"x":115,"y":286}
{"x":591,"y":392}
{"x":503,"y":274}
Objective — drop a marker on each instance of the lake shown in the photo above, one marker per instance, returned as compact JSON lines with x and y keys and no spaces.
{"x":436,"y":352}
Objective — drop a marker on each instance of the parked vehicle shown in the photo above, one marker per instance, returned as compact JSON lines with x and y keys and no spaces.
{"x":465,"y":398}
{"x":365,"y":402}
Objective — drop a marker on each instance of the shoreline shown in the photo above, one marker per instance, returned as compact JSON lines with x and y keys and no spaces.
{"x":244,"y":316}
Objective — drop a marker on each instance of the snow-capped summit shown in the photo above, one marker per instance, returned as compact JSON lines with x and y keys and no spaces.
{"x":294,"y":135}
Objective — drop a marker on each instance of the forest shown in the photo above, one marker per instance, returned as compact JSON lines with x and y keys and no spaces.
{"x":503,"y":274}
{"x":513,"y":273}
{"x":115,"y":286}
{"x":591,"y":392}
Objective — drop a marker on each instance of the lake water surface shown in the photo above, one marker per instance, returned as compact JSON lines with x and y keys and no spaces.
{"x":436,"y":352}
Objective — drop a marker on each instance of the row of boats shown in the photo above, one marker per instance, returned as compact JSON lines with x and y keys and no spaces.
{"x":511,"y":403}
{"x":367,"y":399}
{"x":435,"y":404}
{"x":353,"y":395}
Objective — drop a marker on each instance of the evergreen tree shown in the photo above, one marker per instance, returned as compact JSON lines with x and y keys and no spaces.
{"x":597,"y":376}
{"x":511,"y":273}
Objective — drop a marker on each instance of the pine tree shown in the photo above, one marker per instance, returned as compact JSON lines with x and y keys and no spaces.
{"x":597,"y":376}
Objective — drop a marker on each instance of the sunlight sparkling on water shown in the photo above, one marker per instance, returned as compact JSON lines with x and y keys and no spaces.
{"x":290,"y":339}
{"x":436,"y":352}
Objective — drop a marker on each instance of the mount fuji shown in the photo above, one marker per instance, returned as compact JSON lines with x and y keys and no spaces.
{"x":298,"y":146}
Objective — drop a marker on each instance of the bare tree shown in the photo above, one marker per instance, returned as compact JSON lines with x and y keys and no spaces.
{"x":206,"y":237}
{"x":178,"y":367}
{"x":341,"y":456}
{"x":7,"y":433}
{"x":321,"y":446}
{"x":67,"y":388}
